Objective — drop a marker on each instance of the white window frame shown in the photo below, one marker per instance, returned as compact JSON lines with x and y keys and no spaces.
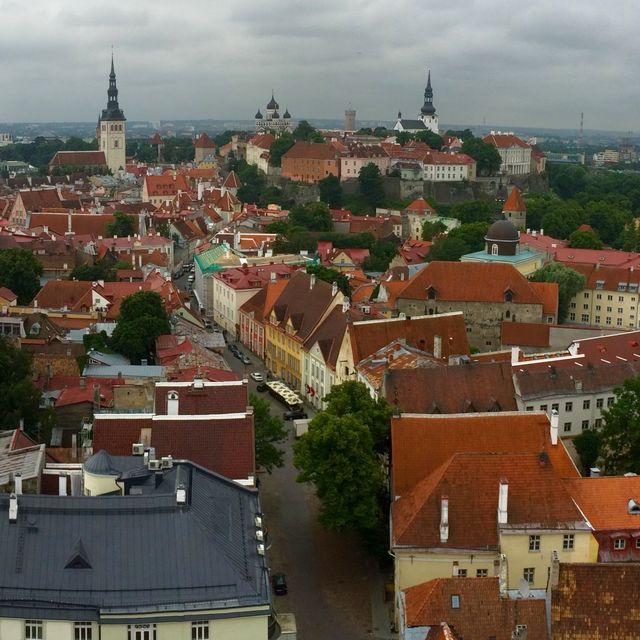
{"x":33,"y":630}
{"x":568,"y":542}
{"x":200,"y":630}
{"x":146,"y":631}
{"x":534,"y":543}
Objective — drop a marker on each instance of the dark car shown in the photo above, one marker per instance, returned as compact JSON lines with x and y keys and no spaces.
{"x":238,"y":354}
{"x":279,"y":582}
{"x":262,"y":387}
{"x":294,"y":414}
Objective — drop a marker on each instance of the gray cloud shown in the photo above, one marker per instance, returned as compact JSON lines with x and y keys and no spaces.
{"x":508,"y":62}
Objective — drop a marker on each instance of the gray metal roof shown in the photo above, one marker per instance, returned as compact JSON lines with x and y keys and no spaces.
{"x":127,"y":371}
{"x":412,"y":124}
{"x":135,"y":553}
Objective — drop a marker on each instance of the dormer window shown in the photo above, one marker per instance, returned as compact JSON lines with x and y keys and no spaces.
{"x":619,"y":544}
{"x":172,"y":403}
{"x":431,"y":293}
{"x":508,"y":295}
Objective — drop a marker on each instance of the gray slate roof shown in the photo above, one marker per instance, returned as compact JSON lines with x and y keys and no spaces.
{"x":127,"y":371}
{"x":76,"y":556}
{"x":412,"y":124}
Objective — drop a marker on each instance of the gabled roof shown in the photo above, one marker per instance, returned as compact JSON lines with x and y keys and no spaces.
{"x":38,"y":199}
{"x":419,"y":331}
{"x":165,"y":185}
{"x":472,"y":282}
{"x":312,"y":151}
{"x":329,"y":335}
{"x":7,"y":294}
{"x":505,"y":140}
{"x":465,"y":388}
{"x":605,"y":501}
{"x":204,"y":142}
{"x":596,"y":601}
{"x":56,"y":294}
{"x":421,"y":443}
{"x":420,"y":205}
{"x":78,"y":159}
{"x":232,"y":181}
{"x":537,"y":499}
{"x":198,"y":555}
{"x":481,"y":612}
{"x":525,"y":334}
{"x":262,"y":140}
{"x":515,"y":201}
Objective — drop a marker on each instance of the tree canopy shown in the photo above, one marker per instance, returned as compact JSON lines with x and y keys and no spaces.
{"x":122,"y":226}
{"x":473,"y":211}
{"x":464,"y":239}
{"x":620,"y":434}
{"x":142,"y":319}
{"x":331,"y":275}
{"x":305,"y":132}
{"x":101,"y":270}
{"x":430,"y":229}
{"x":569,"y":282}
{"x":585,"y":240}
{"x":371,"y":186}
{"x":20,"y":271}
{"x":20,"y":397}
{"x":331,"y":191}
{"x":487,"y":158}
{"x":314,"y":216}
{"x":269,"y":432}
{"x":279,"y":147}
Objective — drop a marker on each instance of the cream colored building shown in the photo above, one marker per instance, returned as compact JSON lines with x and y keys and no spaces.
{"x":111,"y":132}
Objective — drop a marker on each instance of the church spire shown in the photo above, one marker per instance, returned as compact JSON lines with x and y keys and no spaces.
{"x":113,"y":110}
{"x":427,"y":108}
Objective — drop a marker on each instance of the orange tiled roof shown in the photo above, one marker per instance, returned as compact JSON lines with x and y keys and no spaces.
{"x":514,"y":201}
{"x":311,"y":150}
{"x":204,"y":142}
{"x":421,"y":443}
{"x":505,"y":140}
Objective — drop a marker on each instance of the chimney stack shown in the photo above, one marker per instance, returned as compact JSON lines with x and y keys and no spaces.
{"x":444,"y":519}
{"x":503,"y":499}
{"x":437,"y":347}
{"x":62,"y":484}
{"x":334,"y":289}
{"x":17,"y":480}
{"x":312,"y":281}
{"x":554,"y":575}
{"x":515,"y":355}
{"x":594,"y":472}
{"x":555,"y":419}
{"x":13,"y":508}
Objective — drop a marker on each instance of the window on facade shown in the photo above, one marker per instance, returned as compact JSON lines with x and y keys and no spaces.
{"x":586,"y":404}
{"x":455,"y":601}
{"x":142,"y":632}
{"x":620,"y":298}
{"x":200,"y":630}
{"x":567,"y":427}
{"x":610,"y":401}
{"x":530,"y":407}
{"x":585,"y":425}
{"x":637,"y":543}
{"x":599,"y":403}
{"x":494,"y":249}
{"x":534,"y":543}
{"x":599,"y":296}
{"x":597,"y":423}
{"x":529,"y":574}
{"x":609,"y":298}
{"x":585,"y":317}
{"x":572,"y":316}
{"x":481,"y":573}
{"x":596,"y":319}
{"x":619,"y":544}
{"x":585,"y":307}
{"x":508,"y":296}
{"x":573,"y":305}
{"x":619,"y":322}
{"x":33,"y":630}
{"x":543,"y":407}
{"x":555,"y":406}
{"x":568,"y":541}
{"x":568,"y":406}
{"x":586,"y":295}
{"x":462,"y":573}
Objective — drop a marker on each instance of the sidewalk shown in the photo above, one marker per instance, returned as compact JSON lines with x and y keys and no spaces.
{"x":381,"y":611}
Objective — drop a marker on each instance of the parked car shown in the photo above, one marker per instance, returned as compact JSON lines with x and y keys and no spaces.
{"x":294,"y":414}
{"x":245,"y":359}
{"x":262,"y":387}
{"x":190,"y":278}
{"x":207,"y":324}
{"x":279,"y":582}
{"x":238,"y":354}
{"x":258,"y":377}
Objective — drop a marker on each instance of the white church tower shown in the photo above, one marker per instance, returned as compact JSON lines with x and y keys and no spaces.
{"x":428,"y":113}
{"x":111,"y":128}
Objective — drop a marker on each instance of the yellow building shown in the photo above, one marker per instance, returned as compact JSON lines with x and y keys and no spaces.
{"x":299,"y":309}
{"x":484,"y":498}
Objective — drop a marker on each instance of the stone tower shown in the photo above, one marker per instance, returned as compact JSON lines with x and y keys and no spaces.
{"x":515,"y":210}
{"x":111,"y":128}
{"x":350,"y":120}
{"x":428,"y":113}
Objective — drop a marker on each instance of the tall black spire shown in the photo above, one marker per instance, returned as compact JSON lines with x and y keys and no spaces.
{"x":427,"y":108}
{"x":113,"y":110}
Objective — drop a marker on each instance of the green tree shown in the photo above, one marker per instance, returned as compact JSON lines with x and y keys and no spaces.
{"x":588,"y":445}
{"x":620,"y":446}
{"x":448,"y":249}
{"x":314,"y":216}
{"x":337,"y":455}
{"x":429,"y":137}
{"x":371,"y":185}
{"x":20,"y":397}
{"x":305,"y":132}
{"x":331,"y":275}
{"x":487,"y":158}
{"x":92,"y":272}
{"x":430,"y":229}
{"x":331,"y":191}
{"x":402,"y":137}
{"x":584,"y":240}
{"x":269,"y":432}
{"x":20,"y":271}
{"x":463,"y":134}
{"x":567,"y":180}
{"x":279,"y":147}
{"x":473,"y":211}
{"x":380,"y":255}
{"x":563,"y":219}
{"x":142,"y":319}
{"x":570,"y":283}
{"x":122,"y":226}
{"x":253,"y":182}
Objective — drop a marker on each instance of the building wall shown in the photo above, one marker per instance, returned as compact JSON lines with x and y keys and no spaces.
{"x":112,"y":142}
{"x":577,"y":411}
{"x":525,"y":267}
{"x":318,"y":375}
{"x":253,"y":157}
{"x":516,"y":548}
{"x":604,"y":308}
{"x":482,"y":319}
{"x":437,"y":172}
{"x":516,"y":160}
{"x":284,"y":355}
{"x":309,"y":169}
{"x":226,"y":302}
{"x":350,"y":167}
{"x":252,"y":334}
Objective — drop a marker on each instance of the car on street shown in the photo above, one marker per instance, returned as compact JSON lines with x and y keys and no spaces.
{"x":245,"y":359}
{"x":294,"y":414}
{"x":279,"y":582}
{"x":207,"y":324}
{"x":238,"y":354}
{"x":255,"y":375}
{"x":190,"y":278}
{"x":262,"y":387}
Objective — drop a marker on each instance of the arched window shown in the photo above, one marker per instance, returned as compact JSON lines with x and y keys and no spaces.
{"x":494,"y":249}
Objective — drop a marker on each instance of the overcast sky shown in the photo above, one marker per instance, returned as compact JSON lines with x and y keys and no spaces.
{"x":511,"y":62}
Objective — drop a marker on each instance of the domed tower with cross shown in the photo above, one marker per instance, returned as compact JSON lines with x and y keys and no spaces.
{"x":272,"y":121}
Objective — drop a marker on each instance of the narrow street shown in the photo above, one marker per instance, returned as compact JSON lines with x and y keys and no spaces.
{"x":330,"y":580}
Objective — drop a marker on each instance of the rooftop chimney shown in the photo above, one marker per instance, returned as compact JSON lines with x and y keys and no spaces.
{"x":312,"y":281}
{"x":17,"y":479}
{"x":334,"y":289}
{"x":555,"y":570}
{"x":444,"y":519}
{"x":515,"y":355}
{"x":13,"y":508}
{"x":62,"y":484}
{"x":437,"y":347}
{"x":555,"y":418}
{"x":503,"y":498}
{"x":594,"y":472}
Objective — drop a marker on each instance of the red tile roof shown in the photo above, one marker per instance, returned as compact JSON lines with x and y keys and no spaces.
{"x":505,"y":140}
{"x":232,"y":181}
{"x":466,"y":388}
{"x":78,"y":159}
{"x":421,"y":443}
{"x":602,"y":257}
{"x":593,"y":601}
{"x":471,"y":481}
{"x":421,"y":205}
{"x":420,"y":331}
{"x":472,"y":281}
{"x":482,"y":611}
{"x":56,"y":294}
{"x":7,"y":294}
{"x":262,"y":140}
{"x":38,"y":199}
{"x":525,"y":334}
{"x":213,"y":398}
{"x":204,"y":142}
{"x":165,"y":185}
{"x":156,"y":139}
{"x":515,"y":201}
{"x":311,"y":150}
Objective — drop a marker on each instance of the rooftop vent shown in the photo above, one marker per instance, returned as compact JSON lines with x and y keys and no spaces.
{"x":633,"y":507}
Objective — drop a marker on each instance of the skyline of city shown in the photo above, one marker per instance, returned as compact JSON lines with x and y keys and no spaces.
{"x":491,"y":62}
